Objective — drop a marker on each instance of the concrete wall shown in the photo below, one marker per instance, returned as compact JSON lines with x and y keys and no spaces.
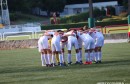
{"x":8,"y":45}
{"x":116,"y":36}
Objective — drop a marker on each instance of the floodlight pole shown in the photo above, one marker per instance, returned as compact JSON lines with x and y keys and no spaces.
{"x":129,"y":20}
{"x":5,"y":13}
{"x":91,"y":20}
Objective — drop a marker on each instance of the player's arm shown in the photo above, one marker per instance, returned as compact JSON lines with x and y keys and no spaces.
{"x":68,"y":34}
{"x":47,"y":34}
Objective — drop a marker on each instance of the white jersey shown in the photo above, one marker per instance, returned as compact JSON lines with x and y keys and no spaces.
{"x":71,"y":37}
{"x":87,"y":40}
{"x":84,"y":36}
{"x":93,"y":35}
{"x":56,"y":42}
{"x":99,"y":35}
{"x":72,"y":40}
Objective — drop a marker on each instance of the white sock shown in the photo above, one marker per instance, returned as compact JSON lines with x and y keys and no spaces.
{"x":42,"y":59}
{"x":69,"y":58}
{"x":91,"y":57}
{"x":96,"y":56}
{"x":87,"y":57}
{"x":49,"y":58}
{"x":63,"y":57}
{"x":46,"y":58}
{"x":77,"y":57}
{"x":53,"y":59}
{"x":100,"y":56}
{"x":80,"y":55}
{"x":60,"y":58}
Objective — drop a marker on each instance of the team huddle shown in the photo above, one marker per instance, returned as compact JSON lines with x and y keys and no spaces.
{"x":52,"y":43}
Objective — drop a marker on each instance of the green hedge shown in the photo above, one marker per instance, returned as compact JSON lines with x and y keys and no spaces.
{"x":76,"y":25}
{"x":75,"y":18}
{"x":98,"y":13}
{"x":19,"y":16}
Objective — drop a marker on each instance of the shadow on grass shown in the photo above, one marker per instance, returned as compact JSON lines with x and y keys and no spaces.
{"x":47,"y":69}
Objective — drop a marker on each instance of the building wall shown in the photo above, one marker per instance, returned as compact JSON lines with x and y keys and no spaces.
{"x":78,"y":8}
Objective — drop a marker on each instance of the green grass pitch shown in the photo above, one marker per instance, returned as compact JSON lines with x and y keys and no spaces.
{"x":23,"y":66}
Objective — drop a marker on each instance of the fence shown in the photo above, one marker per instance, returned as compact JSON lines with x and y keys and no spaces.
{"x":35,"y":27}
{"x":112,"y":29}
{"x":0,"y":36}
{"x":18,"y":35}
{"x":116,"y":29}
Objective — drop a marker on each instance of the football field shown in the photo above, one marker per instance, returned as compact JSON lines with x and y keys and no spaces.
{"x":23,"y":66}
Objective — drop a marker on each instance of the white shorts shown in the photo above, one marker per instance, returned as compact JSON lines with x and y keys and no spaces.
{"x":99,"y":42}
{"x":55,"y":46}
{"x":72,"y":42}
{"x":89,"y":44}
{"x":63,"y":44}
{"x":39,"y":47}
{"x":43,"y":44}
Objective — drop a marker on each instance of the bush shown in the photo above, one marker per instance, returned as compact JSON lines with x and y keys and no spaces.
{"x":111,"y":10}
{"x":13,"y":17}
{"x":18,"y":16}
{"x":103,"y":11}
{"x":110,"y":19}
{"x":75,"y":18}
{"x":124,"y":14}
{"x":98,"y":14}
{"x":76,"y":25}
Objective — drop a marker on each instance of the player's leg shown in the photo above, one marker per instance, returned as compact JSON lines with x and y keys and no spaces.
{"x":53,"y":54}
{"x":80,"y":52}
{"x":49,"y":55}
{"x":96,"y":55}
{"x":87,"y":52}
{"x":63,"y":51}
{"x":86,"y":56}
{"x":77,"y":56}
{"x":69,"y":46}
{"x":53,"y":58}
{"x":58,"y":50}
{"x":57,"y":58}
{"x":100,"y":44}
{"x":90,"y":56}
{"x":100,"y":55}
{"x":97,"y":43}
{"x":42,"y":59}
{"x":100,"y":50}
{"x":77,"y":51}
{"x":46,"y":57}
{"x":92,"y":52}
{"x":63,"y":56}
{"x":42,"y":54}
{"x":80,"y":49}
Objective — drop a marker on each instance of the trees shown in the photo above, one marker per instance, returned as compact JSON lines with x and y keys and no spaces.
{"x":20,"y":6}
{"x":54,"y":5}
{"x":27,"y":5}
